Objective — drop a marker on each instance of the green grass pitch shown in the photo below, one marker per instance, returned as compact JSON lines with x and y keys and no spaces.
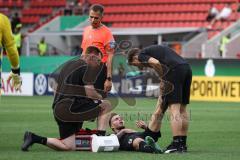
{"x":214,"y":131}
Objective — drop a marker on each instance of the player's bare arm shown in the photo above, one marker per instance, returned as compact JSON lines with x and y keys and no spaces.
{"x":155,"y":64}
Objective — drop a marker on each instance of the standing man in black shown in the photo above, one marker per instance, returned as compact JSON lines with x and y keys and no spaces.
{"x":78,"y":97}
{"x":179,"y":74}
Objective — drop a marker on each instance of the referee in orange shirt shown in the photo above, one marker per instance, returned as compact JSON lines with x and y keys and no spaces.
{"x":97,"y":34}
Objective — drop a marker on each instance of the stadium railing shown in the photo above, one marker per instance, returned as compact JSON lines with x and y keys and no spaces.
{"x":210,"y":49}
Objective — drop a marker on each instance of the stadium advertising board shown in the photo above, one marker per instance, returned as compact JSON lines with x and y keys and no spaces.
{"x":217,"y":88}
{"x":213,"y":79}
{"x":27,"y":85}
{"x":41,"y":85}
{"x":134,"y":87}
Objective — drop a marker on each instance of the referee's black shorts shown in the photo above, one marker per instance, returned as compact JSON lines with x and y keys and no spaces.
{"x":80,"y":105}
{"x":181,"y":78}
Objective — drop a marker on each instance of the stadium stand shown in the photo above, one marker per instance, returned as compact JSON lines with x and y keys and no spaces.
{"x":11,"y":3}
{"x":128,"y":13}
{"x":48,"y":3}
{"x":34,"y":13}
{"x":153,"y":13}
{"x":164,"y":13}
{"x":41,"y":8}
{"x":125,"y":13}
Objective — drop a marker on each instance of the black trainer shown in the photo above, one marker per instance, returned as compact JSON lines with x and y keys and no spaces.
{"x":172,"y":148}
{"x":27,"y":141}
{"x":176,"y":147}
{"x":184,"y":149}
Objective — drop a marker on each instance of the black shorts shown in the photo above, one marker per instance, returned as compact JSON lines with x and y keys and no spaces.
{"x":79,"y":105}
{"x":181,"y":78}
{"x":126,"y":142}
{"x":210,"y":17}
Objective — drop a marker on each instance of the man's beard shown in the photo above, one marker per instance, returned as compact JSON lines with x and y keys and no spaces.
{"x":120,"y":128}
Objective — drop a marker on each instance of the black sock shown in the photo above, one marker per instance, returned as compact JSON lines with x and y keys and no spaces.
{"x":101,"y":133}
{"x":39,"y":139}
{"x":144,"y":147}
{"x":184,"y":140}
{"x":176,"y":140}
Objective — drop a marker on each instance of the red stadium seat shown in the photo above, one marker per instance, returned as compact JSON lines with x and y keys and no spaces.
{"x":11,"y":3}
{"x":48,"y":3}
{"x":37,"y":11}
{"x":30,"y":19}
{"x":133,"y":13}
{"x":164,"y":13}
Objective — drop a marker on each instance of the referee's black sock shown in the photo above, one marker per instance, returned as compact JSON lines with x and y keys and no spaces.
{"x":177,"y":140}
{"x":144,"y":147}
{"x":39,"y":139}
{"x":184,"y":140}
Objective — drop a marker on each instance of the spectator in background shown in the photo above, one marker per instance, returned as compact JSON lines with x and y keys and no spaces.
{"x":222,"y":16}
{"x":223,"y":43}
{"x":42,"y":47}
{"x":85,"y":6}
{"x":68,"y":10}
{"x":212,"y":13}
{"x":225,"y":13}
{"x":54,"y":51}
{"x":78,"y":10}
{"x":77,"y":50}
{"x":121,"y":70}
{"x":18,"y":37}
{"x":238,"y":9}
{"x":15,"y":21}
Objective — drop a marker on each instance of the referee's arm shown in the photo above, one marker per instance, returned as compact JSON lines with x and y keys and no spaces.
{"x":109,"y":63}
{"x":108,"y":83}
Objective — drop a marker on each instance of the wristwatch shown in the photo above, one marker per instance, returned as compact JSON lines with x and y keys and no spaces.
{"x":109,"y":78}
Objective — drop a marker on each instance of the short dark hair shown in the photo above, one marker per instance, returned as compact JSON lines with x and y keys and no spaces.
{"x":94,"y":49}
{"x":97,"y":8}
{"x":110,"y":119}
{"x":131,"y":53}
